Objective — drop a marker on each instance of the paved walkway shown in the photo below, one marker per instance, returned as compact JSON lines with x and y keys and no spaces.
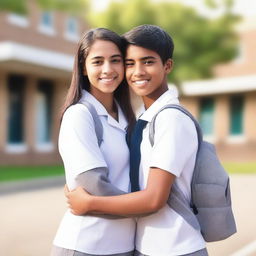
{"x":29,"y":219}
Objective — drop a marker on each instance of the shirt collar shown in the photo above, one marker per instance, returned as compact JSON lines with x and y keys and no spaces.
{"x":169,"y":97}
{"x":101,"y":111}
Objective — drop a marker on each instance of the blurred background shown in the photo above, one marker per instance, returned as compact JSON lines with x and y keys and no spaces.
{"x":214,"y":72}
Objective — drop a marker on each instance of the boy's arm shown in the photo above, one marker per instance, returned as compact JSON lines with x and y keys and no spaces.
{"x":180,"y":132}
{"x":149,"y":200}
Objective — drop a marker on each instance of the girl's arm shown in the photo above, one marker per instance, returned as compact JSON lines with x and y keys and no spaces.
{"x":151,"y":199}
{"x":96,"y":182}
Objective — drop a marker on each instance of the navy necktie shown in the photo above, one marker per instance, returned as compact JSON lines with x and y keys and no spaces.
{"x":135,"y":141}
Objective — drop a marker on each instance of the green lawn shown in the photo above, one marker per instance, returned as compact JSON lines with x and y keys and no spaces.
{"x":239,"y":168}
{"x":10,"y":173}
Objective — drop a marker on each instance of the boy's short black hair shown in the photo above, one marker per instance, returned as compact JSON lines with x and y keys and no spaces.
{"x":153,"y":38}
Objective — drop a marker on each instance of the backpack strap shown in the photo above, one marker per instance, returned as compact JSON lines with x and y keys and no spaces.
{"x":97,"y":123}
{"x":177,"y":200}
{"x":183,"y":110}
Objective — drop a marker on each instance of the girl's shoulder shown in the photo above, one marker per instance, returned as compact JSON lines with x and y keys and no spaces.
{"x":77,"y":113}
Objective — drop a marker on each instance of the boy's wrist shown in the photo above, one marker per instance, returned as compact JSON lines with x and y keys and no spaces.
{"x":91,"y":203}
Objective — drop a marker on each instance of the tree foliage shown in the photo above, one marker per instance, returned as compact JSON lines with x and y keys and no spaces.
{"x":20,"y":6}
{"x":17,"y":6}
{"x":200,"y":43}
{"x":74,"y":6}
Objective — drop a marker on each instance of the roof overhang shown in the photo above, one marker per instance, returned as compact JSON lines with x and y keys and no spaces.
{"x":12,"y":52}
{"x":219,"y":86}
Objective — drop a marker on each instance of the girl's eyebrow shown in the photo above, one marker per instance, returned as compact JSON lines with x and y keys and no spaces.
{"x":101,"y":57}
{"x":116,"y":55}
{"x":96,"y":58}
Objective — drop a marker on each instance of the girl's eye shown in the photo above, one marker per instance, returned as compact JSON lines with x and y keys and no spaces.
{"x":97,"y":62}
{"x":116,"y":60}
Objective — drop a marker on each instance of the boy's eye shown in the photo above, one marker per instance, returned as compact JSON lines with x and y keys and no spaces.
{"x":148,"y":62}
{"x":128,"y":64}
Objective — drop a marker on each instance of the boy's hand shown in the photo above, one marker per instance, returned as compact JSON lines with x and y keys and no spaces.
{"x":78,"y":200}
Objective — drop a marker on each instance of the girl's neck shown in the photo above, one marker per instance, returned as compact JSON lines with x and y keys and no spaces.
{"x":107,"y":100}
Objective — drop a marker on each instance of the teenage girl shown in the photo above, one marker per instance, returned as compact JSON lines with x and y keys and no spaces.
{"x":98,"y":78}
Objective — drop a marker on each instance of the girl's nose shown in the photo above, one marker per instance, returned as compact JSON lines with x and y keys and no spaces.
{"x":107,"y":68}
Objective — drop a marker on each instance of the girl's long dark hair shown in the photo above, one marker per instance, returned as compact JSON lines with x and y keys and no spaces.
{"x":80,"y":82}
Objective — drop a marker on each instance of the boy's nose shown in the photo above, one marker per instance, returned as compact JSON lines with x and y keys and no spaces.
{"x":139,"y":71}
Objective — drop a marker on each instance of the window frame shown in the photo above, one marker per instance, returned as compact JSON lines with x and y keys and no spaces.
{"x":45,"y":28}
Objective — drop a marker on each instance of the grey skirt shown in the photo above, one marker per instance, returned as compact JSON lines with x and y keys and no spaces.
{"x":202,"y":252}
{"x":58,"y":251}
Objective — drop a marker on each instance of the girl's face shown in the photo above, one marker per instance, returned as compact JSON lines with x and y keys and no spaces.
{"x":104,"y":67}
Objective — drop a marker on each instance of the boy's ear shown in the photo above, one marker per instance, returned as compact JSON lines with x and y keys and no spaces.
{"x":168,"y":66}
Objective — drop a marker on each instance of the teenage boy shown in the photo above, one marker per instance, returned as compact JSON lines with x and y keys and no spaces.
{"x":170,"y":160}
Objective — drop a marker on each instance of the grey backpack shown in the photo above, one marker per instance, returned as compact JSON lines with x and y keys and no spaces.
{"x":210,"y":207}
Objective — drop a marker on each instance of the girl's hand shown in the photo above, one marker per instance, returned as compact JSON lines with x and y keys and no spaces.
{"x":78,"y":200}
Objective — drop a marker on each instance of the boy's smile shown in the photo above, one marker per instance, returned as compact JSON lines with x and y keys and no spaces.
{"x":145,"y":72}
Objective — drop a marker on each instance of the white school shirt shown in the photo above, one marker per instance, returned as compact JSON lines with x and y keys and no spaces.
{"x":166,"y":233}
{"x":80,"y":152}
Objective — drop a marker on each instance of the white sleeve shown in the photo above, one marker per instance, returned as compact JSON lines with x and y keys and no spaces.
{"x":175,"y":141}
{"x":78,"y":144}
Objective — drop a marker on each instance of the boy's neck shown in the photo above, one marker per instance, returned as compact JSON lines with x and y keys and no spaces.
{"x":148,"y":100}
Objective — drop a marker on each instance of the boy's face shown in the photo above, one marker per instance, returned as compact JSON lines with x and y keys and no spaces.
{"x":145,"y":72}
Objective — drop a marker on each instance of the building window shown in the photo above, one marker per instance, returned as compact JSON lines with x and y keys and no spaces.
{"x":15,"y":137}
{"x":240,"y":54}
{"x":44,"y":115}
{"x":206,"y":116}
{"x":72,"y":30}
{"x":46,"y":25}
{"x":236,"y":115}
{"x":18,"y":20}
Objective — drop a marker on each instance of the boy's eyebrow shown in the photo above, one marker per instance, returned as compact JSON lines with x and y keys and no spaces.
{"x":143,"y":58}
{"x":129,"y":59}
{"x":147,"y":57}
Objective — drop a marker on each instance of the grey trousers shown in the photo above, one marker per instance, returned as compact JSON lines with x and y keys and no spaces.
{"x":202,"y":252}
{"x":58,"y":251}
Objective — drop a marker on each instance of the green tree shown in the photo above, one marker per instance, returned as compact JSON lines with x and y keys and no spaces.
{"x":200,"y":43}
{"x":20,"y":6}
{"x":17,"y":6}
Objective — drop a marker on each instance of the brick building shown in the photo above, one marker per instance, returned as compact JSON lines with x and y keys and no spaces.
{"x":36,"y":60}
{"x":226,"y":105}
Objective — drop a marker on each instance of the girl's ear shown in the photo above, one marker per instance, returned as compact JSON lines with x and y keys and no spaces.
{"x":168,"y":66}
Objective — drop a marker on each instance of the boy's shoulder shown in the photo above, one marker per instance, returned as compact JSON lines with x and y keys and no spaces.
{"x":173,"y":116}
